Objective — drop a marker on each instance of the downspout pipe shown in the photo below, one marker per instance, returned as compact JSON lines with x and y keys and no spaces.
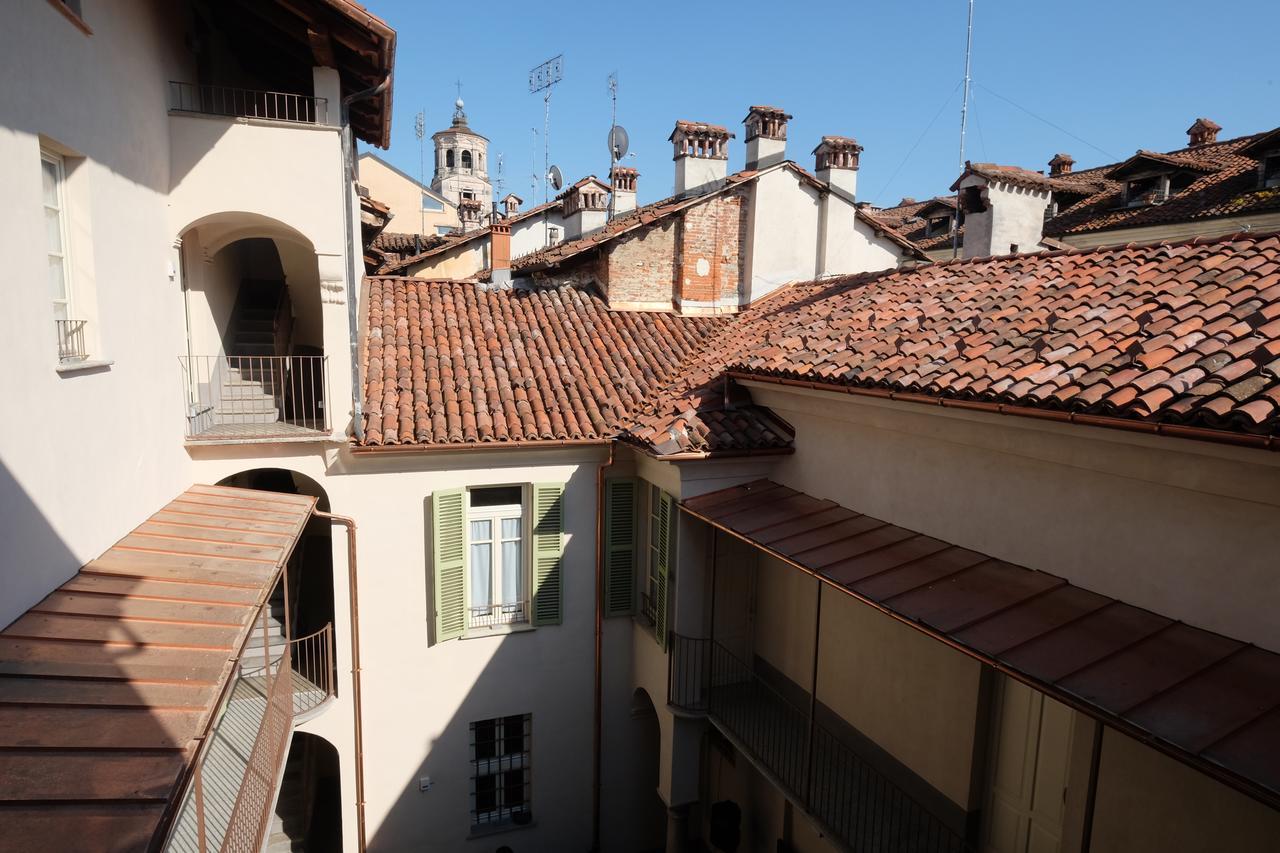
{"x":353,"y":277}
{"x":354,"y":599}
{"x":598,"y":712}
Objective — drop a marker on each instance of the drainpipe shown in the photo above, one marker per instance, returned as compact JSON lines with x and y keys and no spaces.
{"x":353,"y":292}
{"x":353,"y":597}
{"x":598,"y":713}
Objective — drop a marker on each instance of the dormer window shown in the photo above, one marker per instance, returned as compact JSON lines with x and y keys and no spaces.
{"x":1151,"y":189}
{"x":936,"y":225}
{"x":1271,"y":169}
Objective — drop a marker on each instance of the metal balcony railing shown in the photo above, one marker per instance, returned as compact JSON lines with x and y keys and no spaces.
{"x":239,"y":397}
{"x":247,"y":103}
{"x":313,"y":674}
{"x":842,"y":791}
{"x":71,"y":340}
{"x":512,"y":613}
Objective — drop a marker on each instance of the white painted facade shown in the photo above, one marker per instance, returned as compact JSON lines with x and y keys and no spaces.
{"x":1012,"y":219}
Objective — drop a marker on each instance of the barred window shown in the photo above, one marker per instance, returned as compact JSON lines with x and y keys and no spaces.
{"x":500,"y":771}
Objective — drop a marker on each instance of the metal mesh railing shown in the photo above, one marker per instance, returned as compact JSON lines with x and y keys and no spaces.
{"x":71,"y":340}
{"x":835,"y":785}
{"x":251,"y":396}
{"x":247,"y":103}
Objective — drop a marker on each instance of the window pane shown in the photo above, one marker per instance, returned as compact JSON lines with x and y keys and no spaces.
{"x":497,"y":496}
{"x":486,"y":793}
{"x":512,"y":576}
{"x":57,"y":279}
{"x":53,"y":231}
{"x":50,"y":182}
{"x":481,"y":562}
{"x":512,"y":735}
{"x":513,"y":789}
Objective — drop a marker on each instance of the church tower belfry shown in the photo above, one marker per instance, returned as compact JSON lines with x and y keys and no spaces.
{"x":462,"y":163}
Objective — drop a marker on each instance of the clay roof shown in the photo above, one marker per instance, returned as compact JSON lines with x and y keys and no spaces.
{"x":908,"y":220}
{"x":392,"y":241}
{"x":699,"y":127}
{"x":456,"y":363}
{"x":1143,"y":160}
{"x":109,"y":685}
{"x":1208,"y":700}
{"x":1019,"y":177}
{"x":1174,"y":334}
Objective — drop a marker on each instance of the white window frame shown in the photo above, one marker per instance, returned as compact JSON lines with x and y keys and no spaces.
{"x":59,"y":164}
{"x":652,"y":506}
{"x":498,"y":765}
{"x":500,"y":614}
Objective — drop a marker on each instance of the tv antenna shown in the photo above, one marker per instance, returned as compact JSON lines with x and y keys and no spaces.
{"x":543,"y":78}
{"x":420,"y":131}
{"x":964,"y":121}
{"x":498,"y":182}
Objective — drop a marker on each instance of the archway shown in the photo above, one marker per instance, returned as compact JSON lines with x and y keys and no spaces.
{"x":308,"y":812}
{"x":651,"y":812}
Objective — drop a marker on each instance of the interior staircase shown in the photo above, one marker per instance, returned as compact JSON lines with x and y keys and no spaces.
{"x":251,"y":387}
{"x":292,"y":814}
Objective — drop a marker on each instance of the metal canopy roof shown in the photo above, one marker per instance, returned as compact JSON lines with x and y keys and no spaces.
{"x":1207,"y":700}
{"x":107,"y":685}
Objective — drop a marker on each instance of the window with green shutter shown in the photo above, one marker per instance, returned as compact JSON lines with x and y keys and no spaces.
{"x":548,"y":553}
{"x":663,"y":549}
{"x":619,"y":546}
{"x":449,"y":559}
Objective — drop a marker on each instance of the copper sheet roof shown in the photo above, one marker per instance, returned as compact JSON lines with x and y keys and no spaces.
{"x":107,"y":684}
{"x":1208,"y":700}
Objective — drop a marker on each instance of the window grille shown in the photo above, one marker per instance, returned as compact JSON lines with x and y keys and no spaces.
{"x":500,"y":771}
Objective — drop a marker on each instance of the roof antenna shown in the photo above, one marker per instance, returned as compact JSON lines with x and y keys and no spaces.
{"x":964,"y":121}
{"x":543,"y":78}
{"x":420,"y":131}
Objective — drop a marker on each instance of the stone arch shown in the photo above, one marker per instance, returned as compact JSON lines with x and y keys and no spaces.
{"x":466,"y":159}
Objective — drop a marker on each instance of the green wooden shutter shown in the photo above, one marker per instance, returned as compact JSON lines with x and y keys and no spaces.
{"x":548,"y":552}
{"x":619,"y":546}
{"x":662,"y":607}
{"x":449,"y":556}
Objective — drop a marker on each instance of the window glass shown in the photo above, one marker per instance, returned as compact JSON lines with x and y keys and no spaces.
{"x":429,"y":203}
{"x":501,"y":768}
{"x":481,"y":534}
{"x":52,"y":177}
{"x":496,"y":556}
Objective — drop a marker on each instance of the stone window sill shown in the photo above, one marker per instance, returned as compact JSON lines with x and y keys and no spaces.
{"x":498,"y":631}
{"x":88,"y":365}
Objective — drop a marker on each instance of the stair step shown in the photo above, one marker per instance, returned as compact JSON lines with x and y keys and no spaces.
{"x":246,"y":336}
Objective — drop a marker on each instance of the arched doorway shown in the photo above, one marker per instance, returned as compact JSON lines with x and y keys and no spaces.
{"x":651,"y":812}
{"x":308,"y":813}
{"x":255,"y":339}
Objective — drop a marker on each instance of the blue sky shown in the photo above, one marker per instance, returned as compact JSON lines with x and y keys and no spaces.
{"x":1112,"y":76}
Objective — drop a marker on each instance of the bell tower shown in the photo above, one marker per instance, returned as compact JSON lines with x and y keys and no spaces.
{"x":462,"y":162}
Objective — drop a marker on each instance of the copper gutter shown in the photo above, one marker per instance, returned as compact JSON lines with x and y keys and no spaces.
{"x":596,"y":724}
{"x":1237,"y":439}
{"x":354,"y":599}
{"x":477,"y":445}
{"x":1209,"y":768}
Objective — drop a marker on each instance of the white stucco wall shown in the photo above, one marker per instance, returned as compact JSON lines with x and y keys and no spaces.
{"x":1014,"y":217}
{"x":85,"y":457}
{"x":783,"y":231}
{"x":530,"y":234}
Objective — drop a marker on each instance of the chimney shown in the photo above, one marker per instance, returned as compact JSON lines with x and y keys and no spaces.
{"x":622,"y":195}
{"x":1060,"y":165}
{"x":766,"y":136}
{"x":511,"y":205}
{"x":836,"y":163}
{"x":1203,"y":132}
{"x":499,"y":253}
{"x":1003,"y":209}
{"x":906,"y":200}
{"x":469,"y":210}
{"x":701,"y":155}
{"x":584,"y":207}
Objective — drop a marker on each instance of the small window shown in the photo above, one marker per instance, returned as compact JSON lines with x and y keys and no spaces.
{"x":1271,"y":170}
{"x":496,"y":557}
{"x":938,"y":225}
{"x":500,"y":771}
{"x":554,"y":235}
{"x":466,"y":159}
{"x":444,"y":230}
{"x":468,"y":195}
{"x":69,"y":328}
{"x":653,"y":527}
{"x":430,"y":202}
{"x":448,"y":159}
{"x":1152,"y":189}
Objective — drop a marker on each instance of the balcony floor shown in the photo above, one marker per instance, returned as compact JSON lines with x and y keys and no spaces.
{"x":280,"y":429}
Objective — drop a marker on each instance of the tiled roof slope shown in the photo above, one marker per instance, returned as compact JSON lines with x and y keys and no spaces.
{"x":455,"y":363}
{"x":905,"y":221}
{"x":390,"y":241}
{"x":1185,"y":334}
{"x":1229,"y":187}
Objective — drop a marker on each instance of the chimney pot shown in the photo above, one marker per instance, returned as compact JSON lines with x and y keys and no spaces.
{"x":1061,"y":164}
{"x":701,"y":155}
{"x":1203,"y":131}
{"x":622,"y":190}
{"x":766,"y":136}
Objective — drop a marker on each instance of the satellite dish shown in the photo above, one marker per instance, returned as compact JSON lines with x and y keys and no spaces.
{"x":618,"y":141}
{"x":555,"y":178}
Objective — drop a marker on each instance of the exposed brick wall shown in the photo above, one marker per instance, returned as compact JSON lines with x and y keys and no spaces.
{"x":712,"y":239}
{"x":639,"y":269}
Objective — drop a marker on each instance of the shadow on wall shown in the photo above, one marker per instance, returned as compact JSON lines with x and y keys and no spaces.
{"x":546,"y":673}
{"x":34,"y":558}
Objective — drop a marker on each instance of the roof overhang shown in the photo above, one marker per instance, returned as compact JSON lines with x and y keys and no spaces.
{"x":109,"y":685}
{"x":1207,"y":700}
{"x":1146,"y":162}
{"x":1265,"y":143}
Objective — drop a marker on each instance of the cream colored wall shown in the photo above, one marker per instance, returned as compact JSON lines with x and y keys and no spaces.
{"x":420,"y":697}
{"x":404,"y":197}
{"x":85,"y":457}
{"x":1184,"y":528}
{"x":783,"y":232}
{"x":1149,"y":803}
{"x":784,"y":605}
{"x":462,"y":262}
{"x":1014,"y":216}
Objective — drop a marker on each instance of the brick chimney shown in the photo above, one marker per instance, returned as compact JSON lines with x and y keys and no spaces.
{"x":622,"y":194}
{"x":701,"y":155}
{"x":836,"y":163}
{"x":500,"y":252}
{"x":469,"y":210}
{"x":1060,"y":165}
{"x":1203,"y":132}
{"x":766,"y":136}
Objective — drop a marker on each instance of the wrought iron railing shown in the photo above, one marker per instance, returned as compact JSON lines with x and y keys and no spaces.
{"x":512,"y":613}
{"x":242,"y":396}
{"x":822,"y":773}
{"x":247,"y":103}
{"x":312,"y":660}
{"x":71,"y":340}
